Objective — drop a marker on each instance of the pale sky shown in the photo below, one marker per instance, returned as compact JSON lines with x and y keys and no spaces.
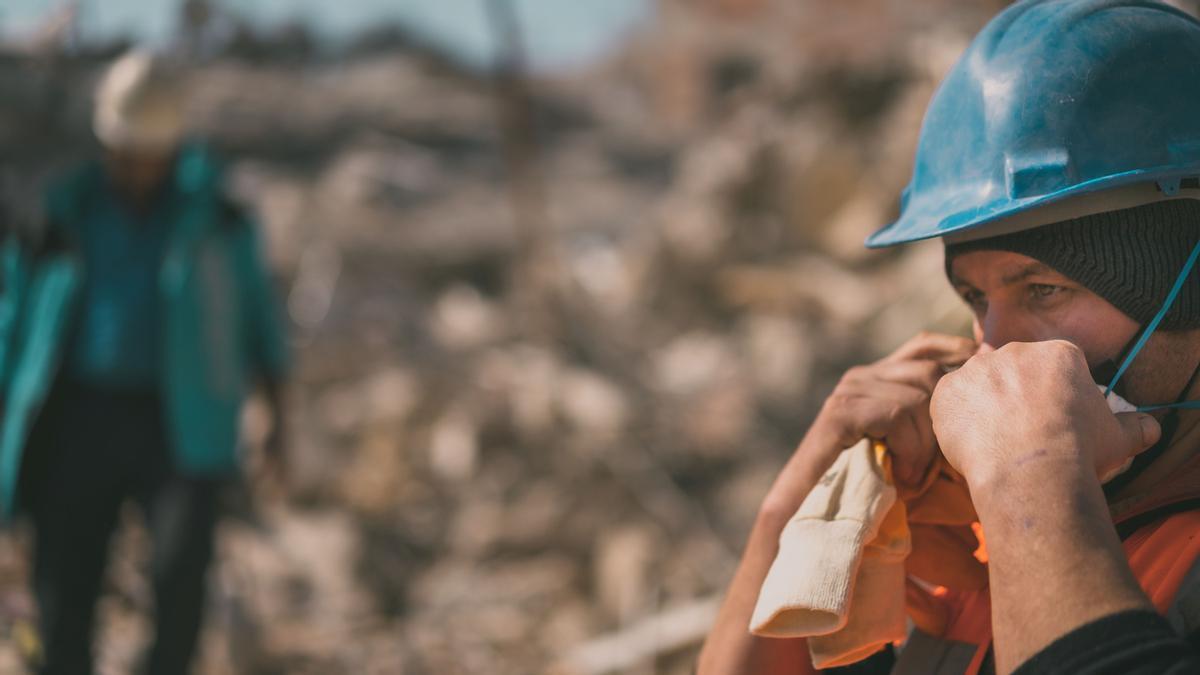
{"x":558,"y":32}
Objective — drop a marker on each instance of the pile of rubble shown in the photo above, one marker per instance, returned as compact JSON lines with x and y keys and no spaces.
{"x":543,"y":382}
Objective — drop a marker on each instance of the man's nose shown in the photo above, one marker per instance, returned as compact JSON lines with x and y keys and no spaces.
{"x":998,"y":328}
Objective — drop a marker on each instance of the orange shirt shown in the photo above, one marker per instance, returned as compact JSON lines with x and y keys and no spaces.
{"x":1160,"y":554}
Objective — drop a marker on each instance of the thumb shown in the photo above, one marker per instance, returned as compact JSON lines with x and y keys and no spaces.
{"x":1140,"y":431}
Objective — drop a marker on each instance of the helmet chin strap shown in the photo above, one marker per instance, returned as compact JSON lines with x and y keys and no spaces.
{"x":1170,"y":423}
{"x":1105,"y":372}
{"x":1153,"y":326}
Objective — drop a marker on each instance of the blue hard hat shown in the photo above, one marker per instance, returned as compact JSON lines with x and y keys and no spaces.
{"x":1052,"y":100}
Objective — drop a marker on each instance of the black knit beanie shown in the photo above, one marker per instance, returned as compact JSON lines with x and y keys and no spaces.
{"x":1130,"y":257}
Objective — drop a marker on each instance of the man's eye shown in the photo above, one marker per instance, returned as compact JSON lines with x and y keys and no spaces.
{"x":1044,"y":290}
{"x":974,"y":298}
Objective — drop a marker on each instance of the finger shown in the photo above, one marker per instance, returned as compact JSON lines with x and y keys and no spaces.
{"x":901,"y":393}
{"x":946,"y":349}
{"x":898,"y":415}
{"x":928,"y":448}
{"x":924,"y":421}
{"x":876,"y":409}
{"x":923,"y":374}
{"x":911,"y":450}
{"x":1139,"y":431}
{"x":859,"y":415}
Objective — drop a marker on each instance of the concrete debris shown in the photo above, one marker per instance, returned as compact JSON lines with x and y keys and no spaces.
{"x":506,"y":465}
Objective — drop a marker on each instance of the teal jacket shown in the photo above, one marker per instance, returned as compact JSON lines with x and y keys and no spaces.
{"x":221,"y":327}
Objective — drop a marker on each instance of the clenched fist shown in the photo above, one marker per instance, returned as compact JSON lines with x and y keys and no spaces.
{"x":1031,"y":402}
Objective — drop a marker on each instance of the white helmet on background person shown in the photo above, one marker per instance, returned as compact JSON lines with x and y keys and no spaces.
{"x":139,"y":105}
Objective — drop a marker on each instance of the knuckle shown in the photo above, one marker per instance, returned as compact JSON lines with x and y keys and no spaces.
{"x":1063,"y":352}
{"x":854,"y":374}
{"x":1010,"y":348}
{"x":1069,"y":349}
{"x":893,"y":413}
{"x":840,"y":410}
{"x":951,"y":379}
{"x":838,"y":400}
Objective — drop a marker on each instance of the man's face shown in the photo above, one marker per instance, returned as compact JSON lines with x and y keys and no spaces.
{"x":1017,"y":299}
{"x":139,"y":174}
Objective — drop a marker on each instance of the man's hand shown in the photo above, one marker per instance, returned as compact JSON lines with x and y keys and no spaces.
{"x":1031,"y":433}
{"x":273,"y":465}
{"x":889,"y":400}
{"x":1029,"y":402}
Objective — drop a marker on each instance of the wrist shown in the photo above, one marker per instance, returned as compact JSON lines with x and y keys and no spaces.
{"x":817,"y":451}
{"x":1047,"y":466}
{"x":1041,"y":486}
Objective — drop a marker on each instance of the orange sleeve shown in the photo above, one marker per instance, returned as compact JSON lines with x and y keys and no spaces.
{"x":1161,"y":554}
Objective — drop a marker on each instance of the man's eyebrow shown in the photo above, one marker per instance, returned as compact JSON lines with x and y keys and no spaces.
{"x":1032,"y":269}
{"x":1025,"y":272}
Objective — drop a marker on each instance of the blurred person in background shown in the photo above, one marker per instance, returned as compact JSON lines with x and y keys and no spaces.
{"x":1060,"y":164}
{"x":133,"y":326}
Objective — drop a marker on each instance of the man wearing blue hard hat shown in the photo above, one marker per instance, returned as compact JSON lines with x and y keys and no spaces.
{"x":1059,"y":161}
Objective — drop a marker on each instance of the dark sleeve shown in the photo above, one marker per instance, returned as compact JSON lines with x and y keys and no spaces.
{"x":1129,"y":643}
